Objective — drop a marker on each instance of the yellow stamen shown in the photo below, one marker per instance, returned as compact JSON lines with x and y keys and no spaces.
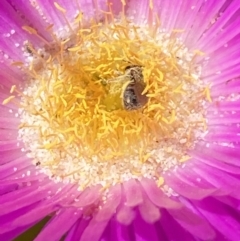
{"x":75,"y":100}
{"x":185,"y":158}
{"x":29,"y":30}
{"x":151,"y":4}
{"x":61,"y":9}
{"x":160,"y":181}
{"x":34,"y":31}
{"x":207,"y":93}
{"x":13,"y":88}
{"x":199,"y":52}
{"x":7,"y":100}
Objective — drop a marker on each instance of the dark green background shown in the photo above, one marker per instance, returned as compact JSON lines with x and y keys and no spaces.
{"x":32,"y":232}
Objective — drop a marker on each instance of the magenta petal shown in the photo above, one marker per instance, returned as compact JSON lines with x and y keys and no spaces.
{"x":10,"y":145}
{"x":125,"y":215}
{"x":31,"y":17}
{"x":183,"y":20}
{"x":58,"y":226}
{"x":7,"y":134}
{"x":226,"y":106}
{"x":229,"y":201}
{"x":201,"y":20}
{"x":213,"y":162}
{"x":94,"y":230}
{"x":10,"y":155}
{"x":8,"y":219}
{"x":226,"y":135}
{"x":9,"y":236}
{"x":133,"y":193}
{"x":6,"y":112}
{"x":218,"y":70}
{"x":225,"y":154}
{"x":145,"y":231}
{"x":222,"y":180}
{"x":224,"y":219}
{"x":12,"y":35}
{"x":138,"y":11}
{"x":233,"y":86}
{"x":149,"y":212}
{"x":77,"y":230}
{"x":44,"y":208}
{"x":9,"y":123}
{"x":233,"y":7}
{"x":186,"y":189}
{"x":193,"y":223}
{"x":39,"y":212}
{"x":70,"y":235}
{"x":157,"y":196}
{"x":53,"y":15}
{"x":171,"y":228}
{"x":110,"y":205}
{"x":8,"y":169}
{"x":223,"y":37}
{"x":88,"y":196}
{"x":169,"y":11}
{"x":118,"y":232}
{"x":15,"y":195}
{"x":31,"y":197}
{"x":7,"y":188}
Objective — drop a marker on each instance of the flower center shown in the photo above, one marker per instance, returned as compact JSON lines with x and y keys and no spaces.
{"x":111,"y":101}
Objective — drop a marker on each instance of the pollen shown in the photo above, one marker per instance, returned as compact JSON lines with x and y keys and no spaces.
{"x":74,"y":124}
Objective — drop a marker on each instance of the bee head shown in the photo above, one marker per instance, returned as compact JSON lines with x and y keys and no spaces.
{"x":135,"y":73}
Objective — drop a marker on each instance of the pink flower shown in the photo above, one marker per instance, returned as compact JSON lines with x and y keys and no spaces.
{"x":120,"y":120}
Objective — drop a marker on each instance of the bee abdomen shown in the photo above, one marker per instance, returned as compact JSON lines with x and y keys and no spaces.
{"x":132,"y":98}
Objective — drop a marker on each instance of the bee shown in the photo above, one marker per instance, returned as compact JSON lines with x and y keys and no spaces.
{"x":125,"y":91}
